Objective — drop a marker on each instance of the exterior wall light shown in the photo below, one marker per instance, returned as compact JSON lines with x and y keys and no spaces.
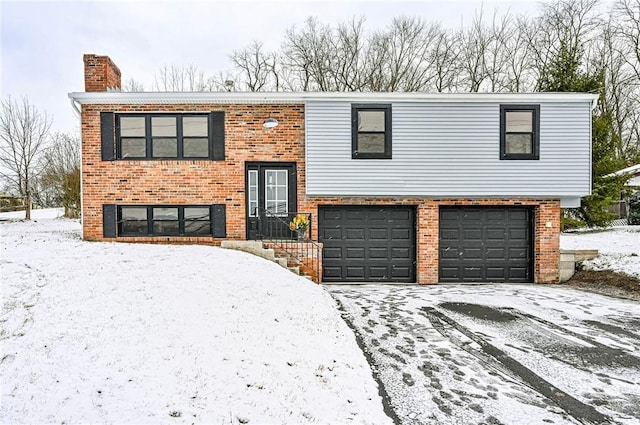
{"x":270,"y":123}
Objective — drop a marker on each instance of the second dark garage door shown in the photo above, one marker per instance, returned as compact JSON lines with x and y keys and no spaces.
{"x":486,"y":244}
{"x":368,"y":243}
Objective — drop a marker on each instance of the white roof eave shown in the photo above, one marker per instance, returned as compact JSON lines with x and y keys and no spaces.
{"x":139,"y":98}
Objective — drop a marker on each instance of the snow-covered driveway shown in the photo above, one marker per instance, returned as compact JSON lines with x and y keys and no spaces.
{"x":500,"y":354}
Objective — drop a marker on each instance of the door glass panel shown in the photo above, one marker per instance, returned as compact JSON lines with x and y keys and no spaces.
{"x":253,"y":193}
{"x":276,"y":190}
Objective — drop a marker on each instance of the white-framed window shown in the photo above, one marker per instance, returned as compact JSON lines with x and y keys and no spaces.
{"x":253,"y":193}
{"x":276,"y":191}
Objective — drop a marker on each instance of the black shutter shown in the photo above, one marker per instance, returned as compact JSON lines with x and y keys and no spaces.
{"x":216,"y":130}
{"x":219,"y":215}
{"x":108,"y":136}
{"x":109,"y":220}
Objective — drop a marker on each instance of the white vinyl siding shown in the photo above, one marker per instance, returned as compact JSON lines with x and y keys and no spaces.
{"x":450,"y":150}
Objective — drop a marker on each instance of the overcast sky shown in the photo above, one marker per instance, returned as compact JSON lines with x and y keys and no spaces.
{"x":42,"y":42}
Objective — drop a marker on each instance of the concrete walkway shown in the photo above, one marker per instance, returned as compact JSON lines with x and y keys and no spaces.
{"x":499,"y":354}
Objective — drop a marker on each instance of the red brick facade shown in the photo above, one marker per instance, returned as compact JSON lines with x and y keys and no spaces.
{"x":182,"y":182}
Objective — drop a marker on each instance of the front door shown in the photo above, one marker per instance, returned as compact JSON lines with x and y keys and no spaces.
{"x":271,"y":198}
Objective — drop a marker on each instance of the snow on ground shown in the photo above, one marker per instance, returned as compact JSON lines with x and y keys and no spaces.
{"x":136,"y":333}
{"x":618,"y":247}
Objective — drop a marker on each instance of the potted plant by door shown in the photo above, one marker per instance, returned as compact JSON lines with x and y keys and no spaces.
{"x":300,"y":223}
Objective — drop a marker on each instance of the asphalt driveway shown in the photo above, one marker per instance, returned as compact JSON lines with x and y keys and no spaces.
{"x":499,"y":354}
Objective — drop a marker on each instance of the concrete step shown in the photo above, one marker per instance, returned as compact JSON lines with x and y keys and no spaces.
{"x":294,"y":269}
{"x":570,"y":258}
{"x":252,"y":247}
{"x":257,"y":248}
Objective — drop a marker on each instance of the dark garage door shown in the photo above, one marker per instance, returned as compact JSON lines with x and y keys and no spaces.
{"x":486,"y":244}
{"x":373,"y":243}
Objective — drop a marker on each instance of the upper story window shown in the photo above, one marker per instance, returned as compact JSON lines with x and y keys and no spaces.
{"x":519,"y":131}
{"x":163,"y":136}
{"x":177,"y":136}
{"x":370,"y":131}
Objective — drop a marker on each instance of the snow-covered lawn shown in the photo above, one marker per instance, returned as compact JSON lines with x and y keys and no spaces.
{"x":134,"y":333}
{"x":618,"y":247}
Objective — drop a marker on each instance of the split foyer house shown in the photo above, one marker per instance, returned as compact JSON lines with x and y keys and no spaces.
{"x":404,"y":187}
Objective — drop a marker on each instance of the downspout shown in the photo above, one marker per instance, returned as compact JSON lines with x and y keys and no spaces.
{"x":78,"y":113}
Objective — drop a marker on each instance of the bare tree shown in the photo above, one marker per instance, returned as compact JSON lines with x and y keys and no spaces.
{"x":180,"y":79}
{"x":259,"y":68}
{"x":60,"y":177}
{"x":132,"y":85}
{"x":23,"y":136}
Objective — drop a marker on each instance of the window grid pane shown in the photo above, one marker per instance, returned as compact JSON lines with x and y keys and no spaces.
{"x":133,"y":148}
{"x":164,"y":148}
{"x":195,"y":148}
{"x":165,"y":221}
{"x":163,"y":126}
{"x":195,"y":126}
{"x":276,"y":191}
{"x":132,"y":126}
{"x":253,"y":193}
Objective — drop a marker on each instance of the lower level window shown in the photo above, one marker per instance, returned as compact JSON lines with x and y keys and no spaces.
{"x":192,"y":220}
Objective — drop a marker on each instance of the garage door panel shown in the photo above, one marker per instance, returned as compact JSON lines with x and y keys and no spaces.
{"x":470,"y":254}
{"x":355,"y":272}
{"x":379,"y":253}
{"x":449,"y":252}
{"x":449,"y":234}
{"x":518,"y":272}
{"x":374,"y":243}
{"x":378,"y":234}
{"x":332,"y":272}
{"x":472,"y":234}
{"x":496,"y":253}
{"x":471,"y":215}
{"x":331,"y":233}
{"x":398,"y":253}
{"x":495,"y":234}
{"x":518,"y":253}
{"x":518,"y":215}
{"x":495,"y":244}
{"x":401,"y":215}
{"x":496,"y":215}
{"x":471,"y":272}
{"x":332,"y":253}
{"x":353,"y":215}
{"x":518,"y":234}
{"x":378,"y":272}
{"x":401,"y":234}
{"x":354,"y":234}
{"x":399,"y":273}
{"x":449,"y":216}
{"x":496,"y":273}
{"x":354,"y":253}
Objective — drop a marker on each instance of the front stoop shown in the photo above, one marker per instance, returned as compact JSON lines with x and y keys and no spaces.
{"x":258,"y":248}
{"x":570,"y":258}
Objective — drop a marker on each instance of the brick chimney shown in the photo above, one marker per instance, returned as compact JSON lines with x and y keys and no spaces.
{"x":100,"y":74}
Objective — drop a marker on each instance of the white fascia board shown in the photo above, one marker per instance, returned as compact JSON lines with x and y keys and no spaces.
{"x":139,"y":98}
